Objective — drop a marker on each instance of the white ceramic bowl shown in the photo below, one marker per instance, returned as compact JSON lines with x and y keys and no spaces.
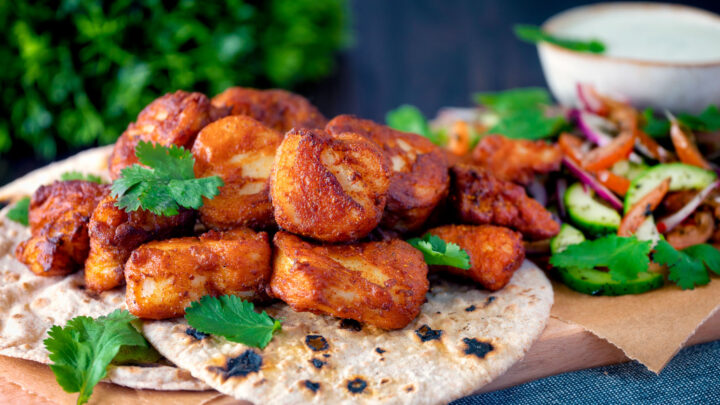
{"x":673,"y":85}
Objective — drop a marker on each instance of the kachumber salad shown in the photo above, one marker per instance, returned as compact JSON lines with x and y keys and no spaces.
{"x":636,"y":191}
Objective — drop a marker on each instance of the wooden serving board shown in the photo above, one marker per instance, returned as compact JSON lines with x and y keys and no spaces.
{"x":561,"y":348}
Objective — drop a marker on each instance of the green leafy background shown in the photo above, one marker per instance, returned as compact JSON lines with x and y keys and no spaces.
{"x":76,"y":72}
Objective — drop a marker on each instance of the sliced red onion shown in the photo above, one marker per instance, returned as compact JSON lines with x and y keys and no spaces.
{"x":537,"y":192}
{"x":594,"y":127}
{"x":587,"y":98}
{"x":560,"y":188}
{"x":590,"y":181}
{"x":668,"y":223}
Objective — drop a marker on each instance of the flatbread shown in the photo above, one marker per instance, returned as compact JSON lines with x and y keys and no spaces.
{"x":463,"y":338}
{"x":30,"y":305}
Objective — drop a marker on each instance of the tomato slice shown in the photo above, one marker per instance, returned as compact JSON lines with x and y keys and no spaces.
{"x":685,"y":148}
{"x":605,"y":156}
{"x":571,"y":146}
{"x":643,"y":209}
{"x":618,"y":184}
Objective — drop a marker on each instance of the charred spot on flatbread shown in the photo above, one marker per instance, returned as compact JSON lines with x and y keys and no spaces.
{"x":477,"y":347}
{"x":196,"y":334}
{"x":470,"y":308}
{"x":351,"y":324}
{"x":380,"y":350}
{"x":317,"y":363}
{"x":240,"y":366}
{"x":312,"y":386}
{"x":316,"y":343}
{"x":409,"y":388}
{"x":357,"y":385}
{"x":489,"y":300}
{"x":326,"y":355}
{"x":426,"y":333}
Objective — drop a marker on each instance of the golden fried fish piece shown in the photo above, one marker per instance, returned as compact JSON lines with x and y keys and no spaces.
{"x":241,"y":151}
{"x":480,"y":198}
{"x":277,"y":109}
{"x":114,"y":234}
{"x":379,"y":283}
{"x":516,"y":160}
{"x":164,"y":277}
{"x":419,"y":171}
{"x":58,"y":219}
{"x":173,"y":119}
{"x":330,"y":188}
{"x":495,"y":252}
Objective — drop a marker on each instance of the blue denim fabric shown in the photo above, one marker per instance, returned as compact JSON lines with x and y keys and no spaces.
{"x":692,"y":377}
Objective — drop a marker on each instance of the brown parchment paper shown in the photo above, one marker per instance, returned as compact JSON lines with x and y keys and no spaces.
{"x":650,"y":327}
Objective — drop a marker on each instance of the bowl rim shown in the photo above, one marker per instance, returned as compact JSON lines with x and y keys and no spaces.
{"x":589,"y":8}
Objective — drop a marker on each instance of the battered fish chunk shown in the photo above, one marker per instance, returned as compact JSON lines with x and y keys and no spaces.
{"x":516,"y":160}
{"x":419,"y":171}
{"x":379,"y":283}
{"x":277,"y":109}
{"x":173,"y":119}
{"x":58,"y":219}
{"x":241,"y":151}
{"x":114,"y":234}
{"x":164,"y":277}
{"x":480,"y":198}
{"x":495,"y":252}
{"x":330,"y":188}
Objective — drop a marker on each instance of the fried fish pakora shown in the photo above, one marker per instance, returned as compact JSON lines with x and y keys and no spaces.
{"x":114,"y":234}
{"x":58,"y":219}
{"x":277,"y":109}
{"x":516,"y":160}
{"x":241,"y":151}
{"x":480,"y":198}
{"x":495,"y":252}
{"x":173,"y":119}
{"x":164,"y":277}
{"x":379,"y":283}
{"x":419,"y":171}
{"x":330,"y":188}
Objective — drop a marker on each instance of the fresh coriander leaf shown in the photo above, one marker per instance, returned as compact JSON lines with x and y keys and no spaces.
{"x":438,"y":252}
{"x":166,"y":185}
{"x":136,"y":355}
{"x":233,"y":318}
{"x":534,"y":34}
{"x":73,"y":175}
{"x":655,"y":127}
{"x":528,"y":124}
{"x":624,"y":257}
{"x":683,"y":269}
{"x":707,"y":254}
{"x":408,"y":118}
{"x":84,"y":347}
{"x":507,"y":101}
{"x":20,"y":211}
{"x":707,"y":121}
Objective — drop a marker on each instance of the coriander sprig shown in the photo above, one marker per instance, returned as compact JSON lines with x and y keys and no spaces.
{"x":438,"y":252}
{"x":166,"y":184}
{"x":20,"y":211}
{"x":535,"y":34}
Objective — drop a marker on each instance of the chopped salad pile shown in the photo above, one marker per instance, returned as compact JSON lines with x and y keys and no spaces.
{"x":637,"y":194}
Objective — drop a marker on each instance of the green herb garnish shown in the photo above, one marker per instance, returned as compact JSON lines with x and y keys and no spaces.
{"x":20,"y":211}
{"x":438,"y":252}
{"x":534,"y":34}
{"x":625,"y":258}
{"x":233,"y":318}
{"x":82,"y":350}
{"x":689,"y":267}
{"x":73,"y":175}
{"x":408,"y":118}
{"x":521,"y":113}
{"x":706,"y":121}
{"x":168,"y":184}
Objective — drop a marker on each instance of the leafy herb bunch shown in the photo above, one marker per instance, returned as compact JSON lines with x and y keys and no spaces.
{"x":75,"y":72}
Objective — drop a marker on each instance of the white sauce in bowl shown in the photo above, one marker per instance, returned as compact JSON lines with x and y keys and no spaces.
{"x":657,"y":33}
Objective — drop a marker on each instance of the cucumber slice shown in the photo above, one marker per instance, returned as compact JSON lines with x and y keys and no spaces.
{"x":648,"y":231}
{"x":589,"y":214}
{"x":682,"y":177}
{"x":596,"y":282}
{"x":629,"y":170}
{"x":567,"y":236}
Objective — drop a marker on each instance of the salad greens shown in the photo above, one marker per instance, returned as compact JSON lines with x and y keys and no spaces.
{"x":522,"y":113}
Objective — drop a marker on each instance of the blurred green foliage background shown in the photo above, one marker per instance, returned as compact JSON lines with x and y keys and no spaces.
{"x":75,"y":72}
